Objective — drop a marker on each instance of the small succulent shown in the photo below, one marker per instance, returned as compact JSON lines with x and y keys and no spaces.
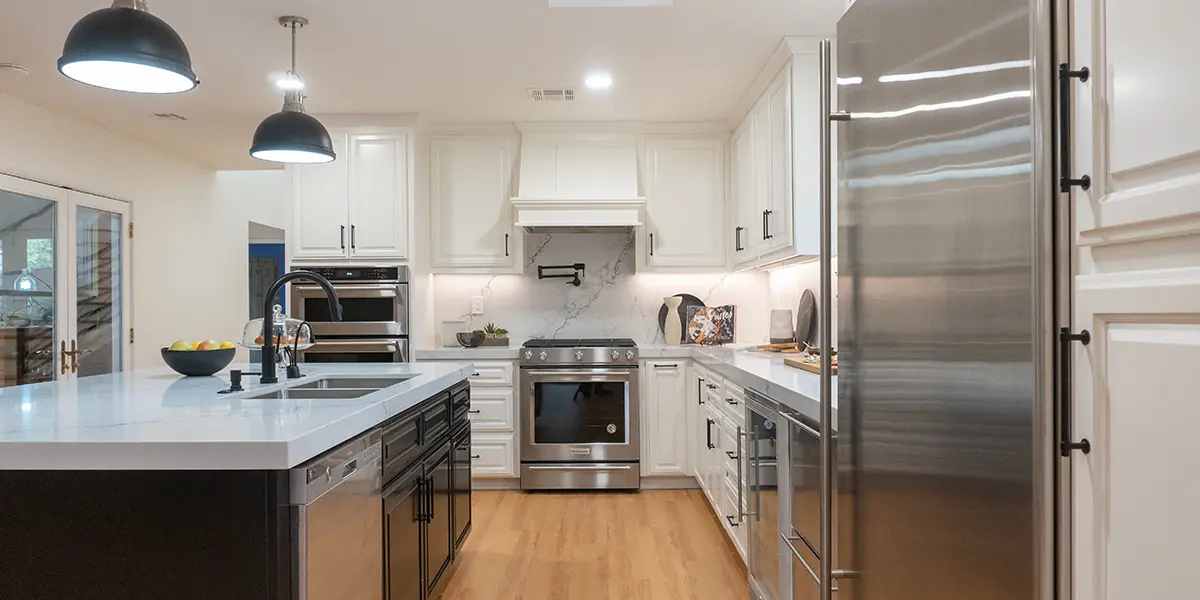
{"x":494,"y":332}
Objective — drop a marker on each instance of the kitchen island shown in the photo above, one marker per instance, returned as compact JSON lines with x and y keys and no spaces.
{"x":149,"y":485}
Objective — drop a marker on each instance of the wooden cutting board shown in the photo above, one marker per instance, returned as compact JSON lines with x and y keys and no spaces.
{"x":810,"y":367}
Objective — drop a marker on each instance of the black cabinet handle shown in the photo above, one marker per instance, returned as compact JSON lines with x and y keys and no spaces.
{"x":429,"y":498}
{"x":342,"y":237}
{"x":767,"y":224}
{"x":1065,"y":337}
{"x":670,"y":366}
{"x":731,"y":402}
{"x":651,"y":244}
{"x":711,"y":386}
{"x":419,"y":505}
{"x":506,"y":244}
{"x":731,"y":455}
{"x":708,"y":433}
{"x":737,"y":239}
{"x":352,"y":237}
{"x":730,"y":519}
{"x":473,"y":412}
{"x":764,"y":224}
{"x":699,"y":391}
{"x":475,"y":457}
{"x":1065,"y":74}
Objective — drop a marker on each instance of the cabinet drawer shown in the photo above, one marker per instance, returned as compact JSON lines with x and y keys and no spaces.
{"x":492,"y":409}
{"x":493,"y":455}
{"x":436,"y":419}
{"x":733,"y":401}
{"x":492,"y":374}
{"x":401,"y":445}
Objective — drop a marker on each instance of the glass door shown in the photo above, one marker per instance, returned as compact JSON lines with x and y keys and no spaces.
{"x":100,"y":286}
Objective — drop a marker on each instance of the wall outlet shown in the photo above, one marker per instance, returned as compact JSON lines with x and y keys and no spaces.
{"x":476,"y":305}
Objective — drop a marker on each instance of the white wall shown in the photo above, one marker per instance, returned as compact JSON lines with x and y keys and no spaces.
{"x":190,"y":267}
{"x":789,"y":283}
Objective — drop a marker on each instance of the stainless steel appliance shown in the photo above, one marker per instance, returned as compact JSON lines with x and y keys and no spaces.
{"x":375,"y":314}
{"x":579,"y":414}
{"x":762,"y":487}
{"x":945,"y":445}
{"x":338,"y":523}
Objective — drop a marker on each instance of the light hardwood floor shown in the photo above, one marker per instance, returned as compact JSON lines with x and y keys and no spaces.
{"x":652,"y":545}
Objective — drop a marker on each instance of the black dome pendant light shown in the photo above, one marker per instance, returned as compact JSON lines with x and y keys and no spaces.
{"x":290,"y":135}
{"x":125,"y":48}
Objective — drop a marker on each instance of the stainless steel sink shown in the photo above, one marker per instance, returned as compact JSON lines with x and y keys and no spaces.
{"x":353,"y":383}
{"x":313,"y":394}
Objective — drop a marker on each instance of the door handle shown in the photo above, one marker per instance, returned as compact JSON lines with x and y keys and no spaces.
{"x":764,"y":225}
{"x":432,"y":514}
{"x":651,"y":244}
{"x":708,"y":433}
{"x":1065,"y":74}
{"x":737,"y":239}
{"x":352,"y":236}
{"x":342,"y":237}
{"x":700,"y":392}
{"x":767,"y":224}
{"x":72,"y":354}
{"x":1065,"y":337}
{"x":506,"y":244}
{"x":419,"y":505}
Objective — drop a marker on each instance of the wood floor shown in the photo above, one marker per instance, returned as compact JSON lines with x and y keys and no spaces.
{"x":651,"y":545}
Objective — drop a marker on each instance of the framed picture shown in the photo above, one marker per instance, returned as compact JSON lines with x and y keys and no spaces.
{"x":710,"y":325}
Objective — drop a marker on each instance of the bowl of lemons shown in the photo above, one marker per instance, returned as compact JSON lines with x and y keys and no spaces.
{"x":198,"y":359}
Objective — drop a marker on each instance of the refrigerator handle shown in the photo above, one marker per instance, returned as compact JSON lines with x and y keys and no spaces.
{"x":1065,"y":337}
{"x":827,"y":573}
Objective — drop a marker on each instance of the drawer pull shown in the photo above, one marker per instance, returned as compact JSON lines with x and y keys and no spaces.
{"x":475,"y":457}
{"x":731,"y":401}
{"x":476,"y":374}
{"x":731,"y":520}
{"x":473,"y":412}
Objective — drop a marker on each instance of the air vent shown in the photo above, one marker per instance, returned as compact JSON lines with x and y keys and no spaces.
{"x":551,"y":94}
{"x":170,"y":117}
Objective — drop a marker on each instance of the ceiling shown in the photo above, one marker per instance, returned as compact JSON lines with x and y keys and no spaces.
{"x":449,"y":60}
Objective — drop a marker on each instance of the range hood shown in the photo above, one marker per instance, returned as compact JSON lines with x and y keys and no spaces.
{"x":578,"y":184}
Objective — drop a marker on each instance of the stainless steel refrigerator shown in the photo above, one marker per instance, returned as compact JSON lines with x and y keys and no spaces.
{"x":945,"y":466}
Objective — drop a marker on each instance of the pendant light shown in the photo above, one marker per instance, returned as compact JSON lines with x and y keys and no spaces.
{"x":125,"y":48}
{"x":290,"y":135}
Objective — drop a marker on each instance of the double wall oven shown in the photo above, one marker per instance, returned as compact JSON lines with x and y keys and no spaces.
{"x":579,"y":414}
{"x":374,"y":325}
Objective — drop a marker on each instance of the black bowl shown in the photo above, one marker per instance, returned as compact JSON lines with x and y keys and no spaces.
{"x":198,"y":363}
{"x":470,"y":339}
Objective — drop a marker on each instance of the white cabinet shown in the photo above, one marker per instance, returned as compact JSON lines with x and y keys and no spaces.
{"x":355,"y":207}
{"x":493,"y":414}
{"x":685,"y":204}
{"x":664,"y":425}
{"x":775,"y":165}
{"x":470,"y":187}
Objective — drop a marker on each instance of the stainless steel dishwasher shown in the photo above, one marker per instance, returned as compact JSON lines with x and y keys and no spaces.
{"x":337,"y":523}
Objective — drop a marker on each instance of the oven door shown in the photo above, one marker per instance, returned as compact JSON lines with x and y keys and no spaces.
{"x":579,"y":415}
{"x":367,"y":310}
{"x":356,"y":351}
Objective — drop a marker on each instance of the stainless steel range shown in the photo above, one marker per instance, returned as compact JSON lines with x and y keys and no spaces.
{"x":579,"y":414}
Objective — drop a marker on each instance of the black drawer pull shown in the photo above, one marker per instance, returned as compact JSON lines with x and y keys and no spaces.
{"x":473,"y":412}
{"x":475,"y":457}
{"x":731,"y":401}
{"x":730,"y":519}
{"x":731,"y":455}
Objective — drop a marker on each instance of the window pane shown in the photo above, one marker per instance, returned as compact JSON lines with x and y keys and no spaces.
{"x":27,"y":353}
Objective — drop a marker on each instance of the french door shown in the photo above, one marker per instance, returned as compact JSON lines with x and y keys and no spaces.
{"x":1135,"y":530}
{"x":64,"y":283}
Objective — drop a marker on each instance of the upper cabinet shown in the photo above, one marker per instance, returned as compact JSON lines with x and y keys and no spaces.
{"x":472,"y":219}
{"x":357,"y":206}
{"x":775,"y":165}
{"x":685,"y":204}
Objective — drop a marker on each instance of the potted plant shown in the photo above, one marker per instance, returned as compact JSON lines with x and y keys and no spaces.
{"x":495,"y":336}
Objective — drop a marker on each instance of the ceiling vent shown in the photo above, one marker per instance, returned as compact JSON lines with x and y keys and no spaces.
{"x":551,"y":94}
{"x":170,"y":117}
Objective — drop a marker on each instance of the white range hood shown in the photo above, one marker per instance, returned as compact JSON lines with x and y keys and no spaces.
{"x":578,"y":184}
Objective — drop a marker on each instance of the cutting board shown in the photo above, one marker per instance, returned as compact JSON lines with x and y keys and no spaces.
{"x":800,"y":364}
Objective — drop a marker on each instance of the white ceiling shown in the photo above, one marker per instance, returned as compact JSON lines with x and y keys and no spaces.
{"x":449,"y":60}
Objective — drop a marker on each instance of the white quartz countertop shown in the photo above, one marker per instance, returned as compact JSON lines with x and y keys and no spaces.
{"x":468,"y":354}
{"x":154,"y":419}
{"x":764,"y":372}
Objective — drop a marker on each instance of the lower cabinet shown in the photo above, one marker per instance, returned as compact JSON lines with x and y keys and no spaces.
{"x":427,"y":507}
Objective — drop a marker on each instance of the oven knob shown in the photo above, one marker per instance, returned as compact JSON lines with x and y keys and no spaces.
{"x":542,"y":356}
{"x":528,"y":355}
{"x":616,"y":355}
{"x":579,"y":355}
{"x":629,"y":355}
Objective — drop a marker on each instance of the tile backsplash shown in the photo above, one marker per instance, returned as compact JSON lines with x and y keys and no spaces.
{"x":613,"y":300}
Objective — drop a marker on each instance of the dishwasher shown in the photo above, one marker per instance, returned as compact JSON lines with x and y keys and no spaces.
{"x":337,"y":523}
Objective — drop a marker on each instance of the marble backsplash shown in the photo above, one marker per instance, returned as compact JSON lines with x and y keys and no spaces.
{"x":613,"y":301}
{"x":788,"y":285}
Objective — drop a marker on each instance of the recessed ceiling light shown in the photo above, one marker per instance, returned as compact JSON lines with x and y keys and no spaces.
{"x":598,"y":82}
{"x":13,"y":68}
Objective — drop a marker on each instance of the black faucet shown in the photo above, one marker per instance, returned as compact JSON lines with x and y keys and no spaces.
{"x":268,"y":347}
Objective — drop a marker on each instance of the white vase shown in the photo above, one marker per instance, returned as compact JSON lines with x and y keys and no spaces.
{"x":673,"y":327}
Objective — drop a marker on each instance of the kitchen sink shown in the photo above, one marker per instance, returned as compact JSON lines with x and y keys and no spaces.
{"x":313,"y":394}
{"x":353,"y":383}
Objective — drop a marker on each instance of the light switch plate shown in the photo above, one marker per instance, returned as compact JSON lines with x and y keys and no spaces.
{"x":477,"y":305}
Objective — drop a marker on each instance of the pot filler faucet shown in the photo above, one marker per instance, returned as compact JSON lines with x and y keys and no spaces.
{"x":268,"y":347}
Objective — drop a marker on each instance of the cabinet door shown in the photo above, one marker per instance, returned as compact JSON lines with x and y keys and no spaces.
{"x":759,"y":240}
{"x":439,"y":522}
{"x":470,"y":181}
{"x":746,"y":235}
{"x":321,"y":204}
{"x":462,"y":487}
{"x":685,"y":203}
{"x":378,"y":196}
{"x":779,"y":204}
{"x":664,"y":426}
{"x":404,"y":512}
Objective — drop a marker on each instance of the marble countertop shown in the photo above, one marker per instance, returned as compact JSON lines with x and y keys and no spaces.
{"x":154,"y":419}
{"x":491,"y":353}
